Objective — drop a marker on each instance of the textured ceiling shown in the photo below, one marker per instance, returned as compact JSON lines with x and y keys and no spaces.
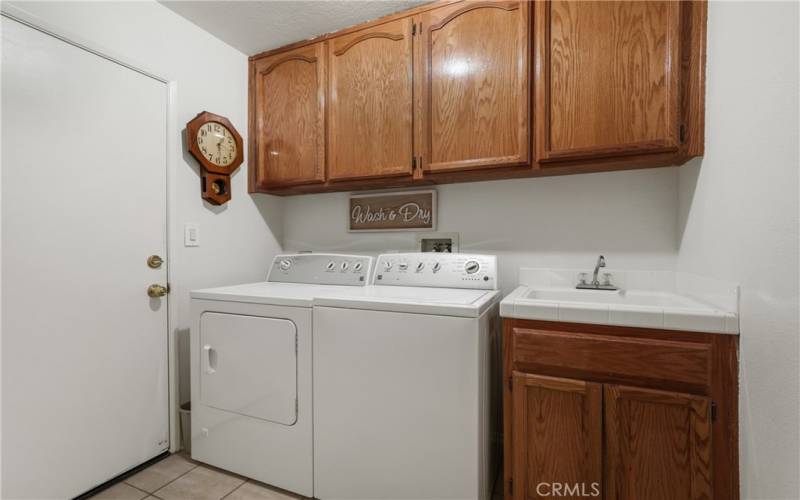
{"x":253,"y":27}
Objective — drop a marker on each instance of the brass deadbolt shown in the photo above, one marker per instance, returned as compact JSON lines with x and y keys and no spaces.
{"x":154,"y":261}
{"x":156,"y":290}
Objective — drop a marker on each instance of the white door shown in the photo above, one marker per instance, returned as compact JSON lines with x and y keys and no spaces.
{"x":84,"y":349}
{"x":249,"y":366}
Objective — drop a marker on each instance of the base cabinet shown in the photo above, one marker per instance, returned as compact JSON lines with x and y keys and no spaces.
{"x":576,"y":426}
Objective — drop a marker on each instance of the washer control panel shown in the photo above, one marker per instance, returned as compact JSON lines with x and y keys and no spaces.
{"x":445,"y":270}
{"x":321,"y":269}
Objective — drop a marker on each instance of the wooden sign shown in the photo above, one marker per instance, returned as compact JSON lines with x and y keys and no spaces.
{"x":402,"y":211}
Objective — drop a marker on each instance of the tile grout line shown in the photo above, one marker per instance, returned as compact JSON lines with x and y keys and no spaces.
{"x":226,"y":495}
{"x":153,"y":493}
{"x":136,"y":488}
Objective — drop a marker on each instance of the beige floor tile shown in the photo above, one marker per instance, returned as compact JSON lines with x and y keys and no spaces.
{"x":120,"y":491}
{"x":160,"y":473}
{"x":256,"y":491}
{"x":200,"y":484}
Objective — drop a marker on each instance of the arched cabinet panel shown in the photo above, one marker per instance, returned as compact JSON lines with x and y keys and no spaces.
{"x":289,"y":118}
{"x":475,"y":86}
{"x":370,"y":96}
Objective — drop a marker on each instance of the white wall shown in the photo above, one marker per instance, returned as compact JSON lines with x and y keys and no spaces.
{"x":739,"y":221}
{"x":630,"y":217}
{"x":237,"y":240}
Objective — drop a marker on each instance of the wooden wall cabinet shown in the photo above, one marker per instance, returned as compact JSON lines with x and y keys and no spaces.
{"x":456,"y":91}
{"x":287,"y":118}
{"x":619,"y":413}
{"x":607,"y":87}
{"x":473,"y":86}
{"x":370,"y":105}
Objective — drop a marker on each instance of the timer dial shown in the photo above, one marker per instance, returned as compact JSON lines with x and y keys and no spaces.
{"x":472,"y":267}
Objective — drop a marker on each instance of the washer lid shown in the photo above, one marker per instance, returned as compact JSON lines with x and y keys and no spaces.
{"x":419,"y":300}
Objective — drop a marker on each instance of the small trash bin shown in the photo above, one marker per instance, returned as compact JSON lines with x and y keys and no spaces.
{"x":186,"y":426}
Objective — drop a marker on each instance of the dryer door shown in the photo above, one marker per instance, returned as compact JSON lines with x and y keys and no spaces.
{"x":248,"y":365}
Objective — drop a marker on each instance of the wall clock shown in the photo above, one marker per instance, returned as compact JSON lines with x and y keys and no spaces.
{"x":217,"y":146}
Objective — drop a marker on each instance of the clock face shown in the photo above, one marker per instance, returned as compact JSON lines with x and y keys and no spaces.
{"x":217,"y":144}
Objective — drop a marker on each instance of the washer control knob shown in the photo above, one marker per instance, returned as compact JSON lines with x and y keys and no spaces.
{"x":436,"y":267}
{"x":331,"y":266}
{"x":402,"y":266}
{"x":344,"y":266}
{"x":387,"y":265}
{"x":357,"y":266}
{"x":285,"y":264}
{"x":472,"y":267}
{"x":420,"y":266}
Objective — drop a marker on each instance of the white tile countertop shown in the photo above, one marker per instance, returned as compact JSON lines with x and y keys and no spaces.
{"x":649,"y":299}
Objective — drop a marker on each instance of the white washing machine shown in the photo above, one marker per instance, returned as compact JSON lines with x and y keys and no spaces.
{"x":402,"y":376}
{"x":251,"y":368}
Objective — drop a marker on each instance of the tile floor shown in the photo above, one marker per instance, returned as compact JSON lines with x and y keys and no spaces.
{"x":178,"y":477}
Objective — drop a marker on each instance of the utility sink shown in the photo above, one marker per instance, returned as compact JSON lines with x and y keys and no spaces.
{"x":661,"y":300}
{"x":626,"y":297}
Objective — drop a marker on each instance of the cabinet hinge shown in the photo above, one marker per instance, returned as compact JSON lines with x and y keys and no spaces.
{"x":413,"y":29}
{"x":682,"y":134}
{"x":413,"y":163}
{"x":713,"y":411}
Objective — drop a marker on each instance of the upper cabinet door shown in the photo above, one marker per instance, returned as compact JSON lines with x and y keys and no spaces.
{"x":288,"y":118}
{"x":607,"y":81}
{"x":474,"y":90}
{"x":658,"y":445}
{"x":370,"y":112}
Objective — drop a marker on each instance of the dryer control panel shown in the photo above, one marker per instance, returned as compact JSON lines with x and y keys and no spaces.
{"x":321,"y":269}
{"x":445,"y":270}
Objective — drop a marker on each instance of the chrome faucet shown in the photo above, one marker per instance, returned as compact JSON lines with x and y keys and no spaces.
{"x":595,"y":284}
{"x":601,"y":262}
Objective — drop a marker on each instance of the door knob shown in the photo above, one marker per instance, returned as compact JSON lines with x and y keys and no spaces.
{"x":154,"y":261}
{"x":156,"y":290}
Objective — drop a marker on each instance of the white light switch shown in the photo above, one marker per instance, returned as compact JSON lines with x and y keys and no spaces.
{"x":191,"y":235}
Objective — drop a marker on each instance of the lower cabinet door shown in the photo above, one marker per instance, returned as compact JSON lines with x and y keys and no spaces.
{"x":658,"y":445}
{"x":557,"y":446}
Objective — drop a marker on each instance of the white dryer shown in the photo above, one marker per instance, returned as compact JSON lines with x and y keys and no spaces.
{"x":251,"y":348}
{"x":403,"y":406}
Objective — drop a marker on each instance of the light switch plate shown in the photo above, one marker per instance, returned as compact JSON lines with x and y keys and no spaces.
{"x":191,"y":235}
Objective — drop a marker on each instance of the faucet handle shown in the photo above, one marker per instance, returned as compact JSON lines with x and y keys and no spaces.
{"x":606,"y":279}
{"x":582,"y":278}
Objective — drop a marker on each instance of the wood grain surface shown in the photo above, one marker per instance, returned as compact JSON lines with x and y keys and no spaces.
{"x":661,"y":360}
{"x":658,"y":445}
{"x":474,"y":87}
{"x":609,"y":81}
{"x":622,"y":82}
{"x":370,"y":103}
{"x":652,"y":428}
{"x":558,"y":435}
{"x":290,"y":128}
